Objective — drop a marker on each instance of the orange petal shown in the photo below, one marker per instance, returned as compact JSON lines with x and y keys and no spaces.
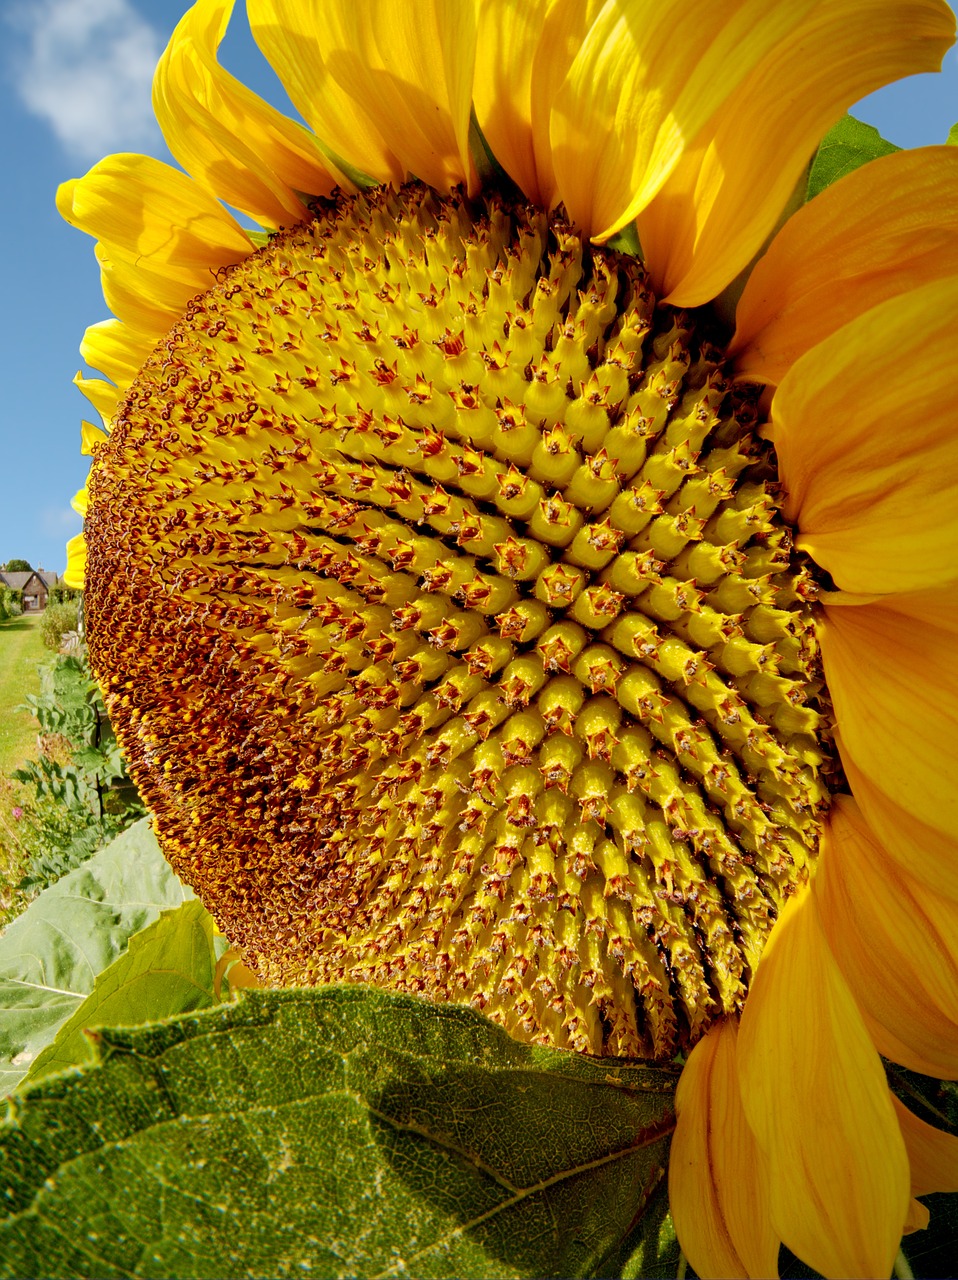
{"x":895,"y":943}
{"x":387,"y":86}
{"x":917,"y":1218}
{"x":718,"y":1178}
{"x":893,"y":680}
{"x":815,"y":1095}
{"x":232,"y":142}
{"x":933,"y":1154}
{"x":925,"y":853}
{"x":879,"y":232}
{"x":727,"y":193}
{"x":864,"y":426}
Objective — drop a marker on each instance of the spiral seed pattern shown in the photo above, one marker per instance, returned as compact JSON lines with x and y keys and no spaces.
{"x":449,"y":622}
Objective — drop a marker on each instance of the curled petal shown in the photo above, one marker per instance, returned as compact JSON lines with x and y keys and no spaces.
{"x":880,"y":231}
{"x":386,"y":86}
{"x":895,"y":942}
{"x":718,"y":1176}
{"x":729,"y":189}
{"x":237,"y":146}
{"x":815,"y":1095}
{"x":647,"y":80}
{"x":864,"y":428}
{"x":925,"y":853}
{"x":932,"y":1154}
{"x":892,"y":677}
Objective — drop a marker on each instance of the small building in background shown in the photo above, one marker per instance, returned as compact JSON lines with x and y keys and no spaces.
{"x":35,"y":586}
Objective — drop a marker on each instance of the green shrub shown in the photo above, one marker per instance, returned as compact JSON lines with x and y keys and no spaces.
{"x":85,"y":796}
{"x":57,"y":620}
{"x":12,"y":600}
{"x":59,"y":594}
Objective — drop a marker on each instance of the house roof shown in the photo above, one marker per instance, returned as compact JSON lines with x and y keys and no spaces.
{"x":21,"y":578}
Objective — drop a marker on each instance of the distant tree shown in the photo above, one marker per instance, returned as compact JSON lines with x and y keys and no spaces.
{"x":18,"y":566}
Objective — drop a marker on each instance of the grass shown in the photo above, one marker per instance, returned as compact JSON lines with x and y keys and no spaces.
{"x":21,"y":653}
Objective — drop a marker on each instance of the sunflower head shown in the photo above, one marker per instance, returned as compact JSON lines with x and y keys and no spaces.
{"x":454,"y":629}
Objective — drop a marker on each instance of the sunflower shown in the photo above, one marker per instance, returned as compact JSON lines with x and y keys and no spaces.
{"x":481,"y":619}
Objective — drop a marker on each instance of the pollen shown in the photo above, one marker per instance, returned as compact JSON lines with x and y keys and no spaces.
{"x":447,"y":616}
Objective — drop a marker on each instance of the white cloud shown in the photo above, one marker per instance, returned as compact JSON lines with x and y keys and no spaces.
{"x":85,"y":67}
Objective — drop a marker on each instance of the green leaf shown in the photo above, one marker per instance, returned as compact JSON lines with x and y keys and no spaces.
{"x":651,"y":1250}
{"x":845,"y":147}
{"x":333,"y":1132}
{"x":51,"y":955}
{"x":952,"y":139}
{"x":167,"y":969}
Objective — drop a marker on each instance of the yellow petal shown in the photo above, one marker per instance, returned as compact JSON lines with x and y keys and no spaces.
{"x":145,"y":301}
{"x":879,"y":232}
{"x":291,"y":34}
{"x":815,"y":1095}
{"x":80,"y":501}
{"x":933,"y":1155}
{"x":102,"y":395}
{"x":864,"y":426}
{"x":90,"y":437}
{"x":893,"y":680}
{"x":149,"y":214}
{"x":523,"y":53}
{"x":895,"y":942}
{"x":388,"y":87}
{"x":925,"y":853}
{"x":725,"y":196}
{"x":506,"y":41}
{"x":649,"y":77}
{"x":76,"y":562}
{"x":233,"y":143}
{"x":718,"y":1176}
{"x":116,"y":350}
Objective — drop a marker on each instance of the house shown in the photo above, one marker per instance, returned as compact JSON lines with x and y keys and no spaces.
{"x":35,"y":586}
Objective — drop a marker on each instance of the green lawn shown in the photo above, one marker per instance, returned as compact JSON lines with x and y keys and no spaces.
{"x":21,"y":652}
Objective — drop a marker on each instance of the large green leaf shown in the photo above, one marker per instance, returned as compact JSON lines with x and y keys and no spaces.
{"x":338,"y":1132}
{"x":51,"y":955}
{"x":846,"y":146}
{"x":167,"y":969}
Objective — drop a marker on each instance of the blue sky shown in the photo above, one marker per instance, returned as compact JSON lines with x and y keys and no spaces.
{"x":75,"y":85}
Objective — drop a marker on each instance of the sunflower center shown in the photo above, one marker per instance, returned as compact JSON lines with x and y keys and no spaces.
{"x":451,"y":627}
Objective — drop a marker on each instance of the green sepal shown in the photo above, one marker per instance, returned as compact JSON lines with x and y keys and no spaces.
{"x":332,"y":1132}
{"x":847,"y":145}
